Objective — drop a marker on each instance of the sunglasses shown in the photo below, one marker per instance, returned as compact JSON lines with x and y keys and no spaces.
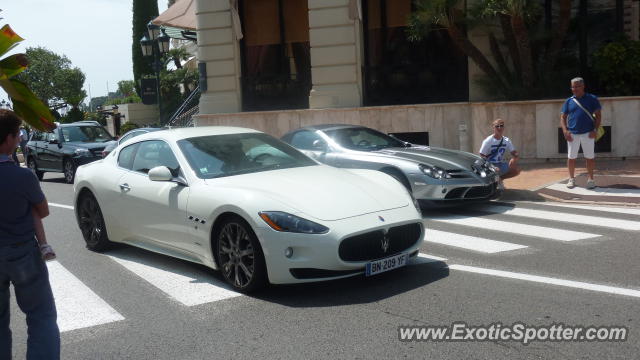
{"x":498,"y":126}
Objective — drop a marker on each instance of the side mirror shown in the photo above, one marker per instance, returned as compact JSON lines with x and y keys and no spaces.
{"x":160,"y":173}
{"x":319,"y":145}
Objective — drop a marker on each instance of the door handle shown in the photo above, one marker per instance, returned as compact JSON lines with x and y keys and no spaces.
{"x":125,"y":187}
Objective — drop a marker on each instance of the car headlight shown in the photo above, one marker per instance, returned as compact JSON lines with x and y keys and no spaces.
{"x":434,"y":172}
{"x":285,"y":222}
{"x":82,"y":152}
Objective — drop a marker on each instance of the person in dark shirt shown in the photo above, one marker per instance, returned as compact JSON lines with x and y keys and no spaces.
{"x":20,"y":261}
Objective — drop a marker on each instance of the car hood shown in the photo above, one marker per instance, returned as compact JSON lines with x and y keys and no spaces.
{"x":444,"y":158}
{"x":321,"y":191}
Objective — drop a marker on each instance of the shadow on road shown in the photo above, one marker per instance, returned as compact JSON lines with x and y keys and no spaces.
{"x":357,"y":290}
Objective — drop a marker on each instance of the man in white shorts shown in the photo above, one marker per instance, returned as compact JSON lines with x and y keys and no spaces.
{"x":494,"y":147}
{"x":579,"y":120}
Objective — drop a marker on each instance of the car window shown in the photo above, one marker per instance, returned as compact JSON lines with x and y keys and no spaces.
{"x":363,"y":139}
{"x":129,"y":136}
{"x":304,"y":140}
{"x":155,"y":153}
{"x":85,"y":134}
{"x":234,"y":154}
{"x":51,"y":136}
{"x":37,"y":136}
{"x":125,"y":157}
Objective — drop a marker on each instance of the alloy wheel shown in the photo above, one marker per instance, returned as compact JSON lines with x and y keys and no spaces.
{"x":236,"y":255}
{"x":91,"y":223}
{"x":69,"y":171}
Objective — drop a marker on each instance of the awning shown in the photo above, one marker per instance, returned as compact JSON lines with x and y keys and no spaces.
{"x":180,"y":15}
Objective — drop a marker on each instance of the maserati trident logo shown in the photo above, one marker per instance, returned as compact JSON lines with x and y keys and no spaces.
{"x":385,"y":242}
{"x":381,"y":218}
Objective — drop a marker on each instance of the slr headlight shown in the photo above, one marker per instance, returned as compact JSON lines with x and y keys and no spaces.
{"x":434,"y":172}
{"x":82,"y":152}
{"x":285,"y":222}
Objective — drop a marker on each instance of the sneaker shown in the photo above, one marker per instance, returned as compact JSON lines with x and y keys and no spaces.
{"x":47,"y":252}
{"x":571,"y":183}
{"x":591,"y":184}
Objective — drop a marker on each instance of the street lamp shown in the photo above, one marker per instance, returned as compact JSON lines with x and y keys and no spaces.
{"x":155,"y":43}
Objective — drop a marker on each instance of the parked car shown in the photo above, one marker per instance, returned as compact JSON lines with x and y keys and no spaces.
{"x":128,"y":135}
{"x":277,"y":216}
{"x":435,"y":176}
{"x":66,"y":147}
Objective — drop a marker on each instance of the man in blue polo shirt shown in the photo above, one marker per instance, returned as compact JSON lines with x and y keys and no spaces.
{"x":579,"y":120}
{"x":20,"y":261}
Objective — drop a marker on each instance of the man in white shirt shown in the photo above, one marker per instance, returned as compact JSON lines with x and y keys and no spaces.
{"x":494,"y":147}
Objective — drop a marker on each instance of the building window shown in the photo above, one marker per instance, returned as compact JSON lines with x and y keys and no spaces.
{"x":398,"y":71}
{"x":276,"y":65}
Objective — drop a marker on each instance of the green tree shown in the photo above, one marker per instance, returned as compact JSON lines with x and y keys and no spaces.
{"x":143,"y":12}
{"x":53,"y":79}
{"x":126,"y":88}
{"x":42,"y":75}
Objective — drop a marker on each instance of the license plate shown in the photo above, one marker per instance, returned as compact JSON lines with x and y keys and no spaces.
{"x":382,"y":265}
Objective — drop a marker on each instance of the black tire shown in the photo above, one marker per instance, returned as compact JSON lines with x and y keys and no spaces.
{"x":239,"y":255}
{"x":396,"y":174}
{"x":69,"y":170}
{"x":91,"y":224}
{"x":31,"y":164}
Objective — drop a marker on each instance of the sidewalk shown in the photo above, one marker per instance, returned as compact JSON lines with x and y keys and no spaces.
{"x":618,"y":183}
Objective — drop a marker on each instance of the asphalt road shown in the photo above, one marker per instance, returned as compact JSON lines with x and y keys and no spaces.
{"x":515,"y":263}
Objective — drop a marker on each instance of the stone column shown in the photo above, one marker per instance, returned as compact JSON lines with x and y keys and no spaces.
{"x":335,"y":55}
{"x":219,"y":50}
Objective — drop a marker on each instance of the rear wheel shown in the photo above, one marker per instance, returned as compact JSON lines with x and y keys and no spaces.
{"x":92,"y":224}
{"x":69,"y":169}
{"x":240,"y":257}
{"x":31,"y":163}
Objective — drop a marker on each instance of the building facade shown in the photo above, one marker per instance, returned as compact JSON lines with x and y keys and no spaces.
{"x":279,"y":64}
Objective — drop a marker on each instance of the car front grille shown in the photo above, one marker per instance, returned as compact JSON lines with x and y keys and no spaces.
{"x":481,"y":191}
{"x":369,"y":246}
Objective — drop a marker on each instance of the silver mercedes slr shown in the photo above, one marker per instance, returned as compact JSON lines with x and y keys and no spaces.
{"x":435,"y":176}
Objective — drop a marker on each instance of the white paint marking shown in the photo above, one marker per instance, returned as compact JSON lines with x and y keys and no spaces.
{"x":597,"y":191}
{"x":630,"y":211}
{"x":78,"y":307}
{"x":564,"y":217}
{"x":515,"y":228}
{"x":548,"y":280}
{"x":426,"y":259}
{"x":61,"y":206}
{"x":470,"y":242}
{"x":182,"y":282}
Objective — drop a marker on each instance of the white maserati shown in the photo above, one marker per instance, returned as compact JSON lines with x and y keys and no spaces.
{"x":247,"y":204}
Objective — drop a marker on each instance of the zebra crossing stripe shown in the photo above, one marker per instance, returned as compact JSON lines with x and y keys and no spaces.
{"x":548,"y":280}
{"x":630,"y":211}
{"x":77,"y":306}
{"x":515,"y":228}
{"x":470,"y":242}
{"x":598,"y":191}
{"x":563,"y":217}
{"x":181,"y":281}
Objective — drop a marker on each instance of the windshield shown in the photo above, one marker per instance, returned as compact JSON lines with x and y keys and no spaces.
{"x":363,"y":139}
{"x":234,"y":154}
{"x":85,"y":134}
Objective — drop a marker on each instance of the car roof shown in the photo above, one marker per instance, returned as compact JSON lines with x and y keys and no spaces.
{"x":176,"y":134}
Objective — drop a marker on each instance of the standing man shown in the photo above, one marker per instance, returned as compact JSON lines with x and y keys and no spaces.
{"x":579,"y":120}
{"x":494,"y":147}
{"x":24,"y":138}
{"x":20,"y":261}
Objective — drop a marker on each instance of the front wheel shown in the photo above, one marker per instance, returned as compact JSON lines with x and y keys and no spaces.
{"x":31,"y":163}
{"x":69,"y":171}
{"x":240,"y":257}
{"x":92,"y":224}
